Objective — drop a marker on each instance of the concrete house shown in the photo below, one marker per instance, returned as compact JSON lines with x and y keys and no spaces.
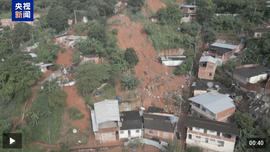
{"x":201,"y":86}
{"x":153,"y":18}
{"x":121,"y":4}
{"x":172,"y":60}
{"x":189,"y":13}
{"x":222,"y":51}
{"x":105,"y":120}
{"x":43,"y":66}
{"x":260,"y":31}
{"x":89,"y":57}
{"x":214,"y":106}
{"x":211,"y":135}
{"x":131,"y":125}
{"x":250,"y":73}
{"x":207,"y":67}
{"x":157,"y":126}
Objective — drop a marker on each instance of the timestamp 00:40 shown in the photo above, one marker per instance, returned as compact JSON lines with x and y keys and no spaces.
{"x":256,"y":143}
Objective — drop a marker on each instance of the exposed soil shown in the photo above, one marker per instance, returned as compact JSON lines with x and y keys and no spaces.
{"x":65,"y":58}
{"x":155,"y":5}
{"x":144,"y":11}
{"x":148,"y":67}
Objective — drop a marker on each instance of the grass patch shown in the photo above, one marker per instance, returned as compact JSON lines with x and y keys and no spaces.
{"x":166,"y":37}
{"x":142,"y":79}
{"x":109,"y":92}
{"x":137,"y":17}
{"x":75,"y":114}
{"x":6,"y":15}
{"x":89,"y":130}
{"x":131,"y":95}
{"x":35,"y":149}
{"x":52,"y":123}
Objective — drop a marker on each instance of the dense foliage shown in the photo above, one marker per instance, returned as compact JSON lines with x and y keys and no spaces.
{"x":98,"y":31}
{"x":21,"y":34}
{"x":90,"y":76}
{"x":131,"y":57}
{"x":57,"y":18}
{"x":90,"y":46}
{"x":130,"y":82}
{"x":170,"y":15}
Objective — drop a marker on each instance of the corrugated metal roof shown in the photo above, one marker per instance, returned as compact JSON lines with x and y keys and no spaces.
{"x":94,"y":122}
{"x":223,"y":45}
{"x":208,"y":59}
{"x":215,"y":102}
{"x":189,"y":6}
{"x":76,"y":37}
{"x":107,"y":110}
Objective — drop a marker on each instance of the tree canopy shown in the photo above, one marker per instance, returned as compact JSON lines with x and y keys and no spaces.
{"x":90,"y":76}
{"x":21,"y":34}
{"x":135,"y":6}
{"x":131,"y":57}
{"x":14,"y":84}
{"x":97,"y":31}
{"x":169,"y":15}
{"x":57,"y":18}
{"x":90,"y":46}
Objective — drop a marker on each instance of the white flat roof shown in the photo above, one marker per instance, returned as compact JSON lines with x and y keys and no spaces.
{"x":94,"y":122}
{"x":107,"y":110}
{"x":224,"y":45}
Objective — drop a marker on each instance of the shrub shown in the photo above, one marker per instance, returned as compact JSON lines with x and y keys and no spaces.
{"x":75,"y":114}
{"x":131,"y":57}
{"x":115,"y":31}
{"x":130,"y":82}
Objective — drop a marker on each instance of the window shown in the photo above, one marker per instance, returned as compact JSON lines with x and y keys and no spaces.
{"x":212,"y":140}
{"x":212,"y":114}
{"x":199,"y":137}
{"x":150,"y":131}
{"x":205,"y":131}
{"x":197,"y":128}
{"x":203,"y":109}
{"x":220,"y":143}
{"x":218,"y":133}
{"x":211,"y":131}
{"x":210,"y":66}
{"x":189,"y":136}
{"x":210,"y":74}
{"x":191,"y":9}
{"x":121,"y":132}
{"x":165,"y":134}
{"x":206,"y":140}
{"x":137,"y":131}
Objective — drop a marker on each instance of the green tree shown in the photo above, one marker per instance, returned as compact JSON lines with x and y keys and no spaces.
{"x":21,"y":34}
{"x":193,"y":149}
{"x":57,"y":18}
{"x":106,"y":7}
{"x":14,"y":84}
{"x":169,"y":15}
{"x":209,"y":34}
{"x":90,"y":46}
{"x":90,"y":76}
{"x":130,"y":82}
{"x":131,"y":57}
{"x":191,"y":28}
{"x":206,"y":10}
{"x":97,"y":31}
{"x":43,"y":20}
{"x":244,"y":121}
{"x":173,"y":147}
{"x":135,"y":6}
{"x":46,"y":52}
{"x":6,"y":47}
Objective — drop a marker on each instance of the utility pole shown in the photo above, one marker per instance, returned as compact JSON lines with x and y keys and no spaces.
{"x":49,"y":134}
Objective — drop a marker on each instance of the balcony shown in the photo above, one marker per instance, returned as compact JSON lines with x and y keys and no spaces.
{"x":199,"y":110}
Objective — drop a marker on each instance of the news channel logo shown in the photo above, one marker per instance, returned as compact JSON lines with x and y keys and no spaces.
{"x":22,"y":10}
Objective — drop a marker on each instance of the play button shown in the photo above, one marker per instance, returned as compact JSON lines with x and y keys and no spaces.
{"x":12,"y":140}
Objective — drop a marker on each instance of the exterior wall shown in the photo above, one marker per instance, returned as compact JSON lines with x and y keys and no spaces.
{"x":257,"y":34}
{"x":197,"y":92}
{"x":154,"y":20}
{"x":172,"y":63}
{"x":257,"y":78}
{"x":95,"y":59}
{"x":212,"y":142}
{"x":133,"y":133}
{"x":222,"y":116}
{"x":187,"y":10}
{"x":199,"y":111}
{"x":159,"y":134}
{"x":205,"y":71}
{"x":224,"y":58}
{"x":108,"y":136}
{"x":240,"y":79}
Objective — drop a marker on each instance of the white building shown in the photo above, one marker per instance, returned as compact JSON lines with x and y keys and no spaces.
{"x":131,"y":125}
{"x":211,"y":135}
{"x":258,"y":32}
{"x":43,"y":66}
{"x":172,"y":60}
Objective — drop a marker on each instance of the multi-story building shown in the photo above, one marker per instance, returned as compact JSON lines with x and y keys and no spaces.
{"x":189,"y":13}
{"x":214,"y":106}
{"x":207,"y":67}
{"x":211,"y":135}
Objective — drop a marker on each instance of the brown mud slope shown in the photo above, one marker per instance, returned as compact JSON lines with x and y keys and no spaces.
{"x":155,"y":5}
{"x":147,"y":63}
{"x":65,"y":57}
